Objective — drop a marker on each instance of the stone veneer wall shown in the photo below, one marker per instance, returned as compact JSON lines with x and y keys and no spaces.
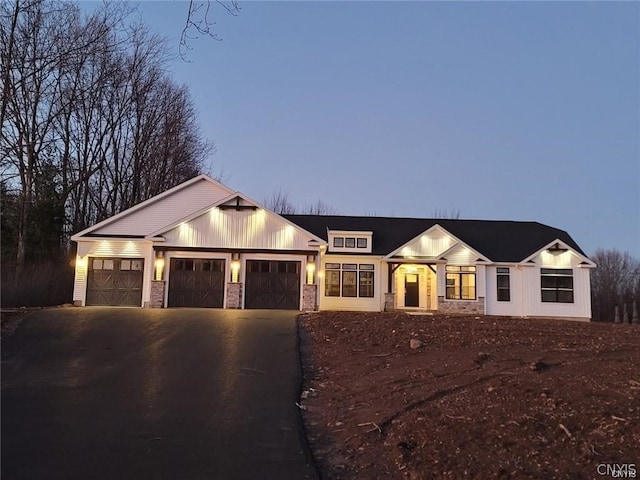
{"x":389,"y":302}
{"x":234,"y":295}
{"x":157,"y":294}
{"x":309,"y":298}
{"x":461,"y":306}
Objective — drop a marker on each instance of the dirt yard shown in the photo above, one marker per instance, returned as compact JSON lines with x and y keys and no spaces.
{"x":481,"y":397}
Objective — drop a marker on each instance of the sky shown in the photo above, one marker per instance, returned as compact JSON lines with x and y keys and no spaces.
{"x":494,"y":110}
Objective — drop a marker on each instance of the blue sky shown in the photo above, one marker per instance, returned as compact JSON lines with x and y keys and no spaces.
{"x":499,"y":110}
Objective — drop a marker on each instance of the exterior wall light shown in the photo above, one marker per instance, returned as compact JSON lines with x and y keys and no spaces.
{"x":311,"y":268}
{"x":81,"y":263}
{"x":235,"y":270}
{"x":159,"y":265}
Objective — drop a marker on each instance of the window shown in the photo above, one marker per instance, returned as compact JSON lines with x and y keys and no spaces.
{"x":354,"y":242}
{"x":557,"y":285}
{"x":349,"y":285}
{"x":332,"y":280}
{"x":366,"y":280}
{"x":503,"y":284}
{"x":461,"y":283}
{"x":349,"y":280}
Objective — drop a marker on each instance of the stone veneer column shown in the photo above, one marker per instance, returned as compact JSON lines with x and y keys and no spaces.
{"x":234,"y":295}
{"x":389,"y":302}
{"x":474,"y":307}
{"x":309,"y":298}
{"x":157,"y":294}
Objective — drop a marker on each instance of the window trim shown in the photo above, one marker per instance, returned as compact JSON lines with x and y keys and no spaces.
{"x":361,"y":274}
{"x":457,"y":272}
{"x":557,"y":289}
{"x":502,"y":273}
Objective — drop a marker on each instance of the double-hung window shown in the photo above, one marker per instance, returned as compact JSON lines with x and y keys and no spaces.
{"x":349,"y":280}
{"x":461,"y":283}
{"x":556,"y":285}
{"x":503,"y":284}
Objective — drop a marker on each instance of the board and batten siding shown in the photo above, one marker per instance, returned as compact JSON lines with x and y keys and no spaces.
{"x":429,"y":244}
{"x":358,"y":304}
{"x":526,"y":290}
{"x":515,"y":306}
{"x":166,"y":211}
{"x":112,"y":249}
{"x":243,"y":229}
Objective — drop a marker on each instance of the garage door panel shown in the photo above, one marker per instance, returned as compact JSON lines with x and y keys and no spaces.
{"x":111,"y":281}
{"x":272,"y":285}
{"x":196,"y":283}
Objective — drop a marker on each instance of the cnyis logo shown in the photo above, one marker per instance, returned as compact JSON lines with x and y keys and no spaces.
{"x":617,"y":470}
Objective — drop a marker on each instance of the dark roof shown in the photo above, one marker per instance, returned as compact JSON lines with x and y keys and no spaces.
{"x":498,"y":240}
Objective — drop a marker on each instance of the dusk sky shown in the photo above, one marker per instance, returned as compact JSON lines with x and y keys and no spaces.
{"x":506,"y":110}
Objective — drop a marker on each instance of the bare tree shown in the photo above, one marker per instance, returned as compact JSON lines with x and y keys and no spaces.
{"x":319,"y":208}
{"x":279,"y":203}
{"x":200,"y":22}
{"x":452,"y":213}
{"x":615,"y":281}
{"x":92,"y":123}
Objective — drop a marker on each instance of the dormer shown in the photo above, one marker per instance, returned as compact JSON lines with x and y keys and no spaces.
{"x":349,"y":241}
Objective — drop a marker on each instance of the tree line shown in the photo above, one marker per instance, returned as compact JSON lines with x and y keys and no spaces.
{"x":92,"y":122}
{"x":614,"y":282}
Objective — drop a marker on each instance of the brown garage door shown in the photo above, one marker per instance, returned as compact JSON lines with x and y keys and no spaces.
{"x":115,"y":281}
{"x":196,"y":282}
{"x":272,"y":285}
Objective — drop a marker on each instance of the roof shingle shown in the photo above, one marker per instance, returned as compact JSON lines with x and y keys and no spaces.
{"x":498,"y":240}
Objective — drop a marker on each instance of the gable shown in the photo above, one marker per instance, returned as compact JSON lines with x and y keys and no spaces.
{"x":431,"y":244}
{"x":162,"y":210}
{"x":558,"y":254}
{"x":242,"y":228}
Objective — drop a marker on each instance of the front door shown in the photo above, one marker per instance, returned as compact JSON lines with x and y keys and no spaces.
{"x":411,"y":289}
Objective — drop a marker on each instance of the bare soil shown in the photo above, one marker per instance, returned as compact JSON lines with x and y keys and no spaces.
{"x":483,"y":397}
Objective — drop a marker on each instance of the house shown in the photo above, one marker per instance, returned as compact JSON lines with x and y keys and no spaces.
{"x":201,"y":244}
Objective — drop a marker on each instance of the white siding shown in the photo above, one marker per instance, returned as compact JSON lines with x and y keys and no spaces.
{"x":461,"y":255}
{"x":354,"y":303}
{"x":430,"y":244}
{"x":112,"y":248}
{"x":526,"y":296}
{"x":166,"y":211}
{"x":514,"y":307}
{"x":251,"y":229}
{"x":481,"y":283}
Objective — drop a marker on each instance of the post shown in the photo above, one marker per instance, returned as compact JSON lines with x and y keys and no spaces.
{"x":616,"y":318}
{"x":625,"y":314}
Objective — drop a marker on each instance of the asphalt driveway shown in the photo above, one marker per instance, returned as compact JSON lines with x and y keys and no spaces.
{"x":120,"y":393}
